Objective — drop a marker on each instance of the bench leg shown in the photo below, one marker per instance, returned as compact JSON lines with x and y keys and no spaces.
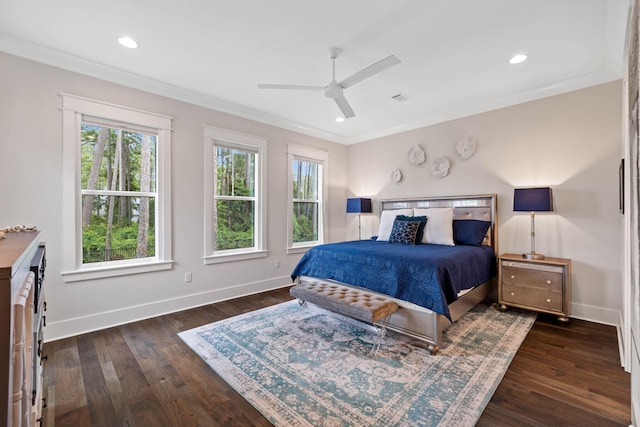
{"x":381,"y":326}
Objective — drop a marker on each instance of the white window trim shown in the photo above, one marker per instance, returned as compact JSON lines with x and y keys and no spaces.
{"x":73,"y":109}
{"x":317,"y":156}
{"x":230,"y":138}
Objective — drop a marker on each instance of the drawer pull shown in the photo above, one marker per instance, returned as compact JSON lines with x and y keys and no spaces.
{"x":548,"y":282}
{"x":513,"y":293}
{"x":513,"y":276}
{"x":548,"y":299}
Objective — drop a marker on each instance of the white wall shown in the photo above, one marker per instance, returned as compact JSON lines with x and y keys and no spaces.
{"x":570,"y":142}
{"x":31,"y":193}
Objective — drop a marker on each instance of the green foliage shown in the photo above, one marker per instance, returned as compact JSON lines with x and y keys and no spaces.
{"x":235,"y":188}
{"x":118,"y":169}
{"x":305,"y":195}
{"x":123,"y":241}
{"x":305,"y":222}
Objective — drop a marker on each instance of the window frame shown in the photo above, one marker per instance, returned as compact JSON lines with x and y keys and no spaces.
{"x":216,"y":137}
{"x":295,"y":152}
{"x":74,"y":108}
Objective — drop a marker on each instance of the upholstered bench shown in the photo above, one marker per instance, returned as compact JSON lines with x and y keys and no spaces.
{"x":354,"y":303}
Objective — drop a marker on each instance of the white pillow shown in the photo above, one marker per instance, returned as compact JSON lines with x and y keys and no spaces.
{"x":386,"y":222}
{"x":439,"y":230}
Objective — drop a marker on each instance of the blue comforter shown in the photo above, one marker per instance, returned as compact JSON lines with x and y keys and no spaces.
{"x":428,"y":275}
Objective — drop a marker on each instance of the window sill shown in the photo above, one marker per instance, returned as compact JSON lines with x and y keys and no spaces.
{"x":113,"y":271}
{"x":300,"y":249}
{"x":230,"y":257}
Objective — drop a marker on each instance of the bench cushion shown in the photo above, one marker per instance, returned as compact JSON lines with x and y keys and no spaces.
{"x":355,"y":303}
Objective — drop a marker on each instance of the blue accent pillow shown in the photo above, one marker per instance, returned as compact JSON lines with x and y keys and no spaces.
{"x":423,"y":223}
{"x":404,"y":232}
{"x":469,"y":231}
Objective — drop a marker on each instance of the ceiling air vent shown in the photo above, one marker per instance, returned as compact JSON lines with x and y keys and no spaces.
{"x":401,"y":97}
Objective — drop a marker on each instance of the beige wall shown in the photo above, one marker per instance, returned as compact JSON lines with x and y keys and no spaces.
{"x":570,"y":142}
{"x":31,"y":193}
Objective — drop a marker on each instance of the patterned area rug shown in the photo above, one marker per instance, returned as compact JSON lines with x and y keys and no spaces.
{"x":308,"y":367}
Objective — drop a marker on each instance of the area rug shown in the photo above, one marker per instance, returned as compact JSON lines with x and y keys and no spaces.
{"x":309,"y":367}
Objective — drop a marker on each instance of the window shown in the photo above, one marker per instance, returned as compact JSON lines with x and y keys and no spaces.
{"x":307,"y":188}
{"x":234,"y":199}
{"x":116,"y":200}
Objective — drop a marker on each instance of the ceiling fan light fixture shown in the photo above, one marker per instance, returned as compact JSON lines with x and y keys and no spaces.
{"x":335,"y":90}
{"x":517,"y":59}
{"x":127,"y":41}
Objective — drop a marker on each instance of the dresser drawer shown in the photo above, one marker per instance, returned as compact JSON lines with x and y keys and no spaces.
{"x":532,"y":277}
{"x":532,"y":296}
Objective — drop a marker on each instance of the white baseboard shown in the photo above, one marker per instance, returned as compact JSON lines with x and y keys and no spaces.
{"x":80,"y":325}
{"x":606,"y":316}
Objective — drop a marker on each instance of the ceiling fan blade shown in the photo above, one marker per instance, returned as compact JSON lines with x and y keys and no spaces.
{"x":346,"y":109}
{"x":371,"y":70}
{"x":294,"y":87}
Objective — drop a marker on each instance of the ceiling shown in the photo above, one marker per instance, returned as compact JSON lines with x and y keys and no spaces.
{"x":454,"y":54}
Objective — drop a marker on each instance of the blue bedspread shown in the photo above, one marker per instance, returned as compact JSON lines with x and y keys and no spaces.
{"x":428,"y":275}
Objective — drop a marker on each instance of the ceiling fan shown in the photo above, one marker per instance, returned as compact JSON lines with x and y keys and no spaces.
{"x":334,"y":90}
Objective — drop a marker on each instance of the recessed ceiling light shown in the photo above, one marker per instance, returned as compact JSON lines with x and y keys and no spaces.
{"x":516,"y":59}
{"x":127,"y":42}
{"x":339,"y":119}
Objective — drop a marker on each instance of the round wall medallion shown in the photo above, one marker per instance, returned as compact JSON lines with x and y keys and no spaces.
{"x":417,"y":155}
{"x":466,"y":147}
{"x":440,"y":167}
{"x":396,"y":175}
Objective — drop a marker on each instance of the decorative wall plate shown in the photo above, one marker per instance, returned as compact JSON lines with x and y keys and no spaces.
{"x":396,"y":175}
{"x":466,"y":147}
{"x":417,"y":155}
{"x":440,"y":167}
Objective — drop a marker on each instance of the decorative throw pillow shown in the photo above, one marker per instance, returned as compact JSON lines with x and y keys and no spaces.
{"x":386,"y":222}
{"x":469,"y":231}
{"x":404,"y":232}
{"x":439,"y":229}
{"x":423,"y":223}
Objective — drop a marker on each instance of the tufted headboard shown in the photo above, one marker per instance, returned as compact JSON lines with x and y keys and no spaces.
{"x":482,"y":207}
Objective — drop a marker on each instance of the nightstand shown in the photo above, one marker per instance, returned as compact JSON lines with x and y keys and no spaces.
{"x":541,"y":285}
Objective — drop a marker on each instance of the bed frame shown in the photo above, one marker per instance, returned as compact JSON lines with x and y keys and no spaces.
{"x":422,"y":323}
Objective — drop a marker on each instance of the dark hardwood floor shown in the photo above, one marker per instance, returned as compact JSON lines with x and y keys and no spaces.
{"x":142,"y":374}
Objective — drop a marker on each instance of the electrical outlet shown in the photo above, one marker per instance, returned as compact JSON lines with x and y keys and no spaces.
{"x":187,"y":277}
{"x":277,"y":263}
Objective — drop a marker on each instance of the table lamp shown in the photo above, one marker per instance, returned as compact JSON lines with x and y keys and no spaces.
{"x":359,"y":205}
{"x":532,"y":200}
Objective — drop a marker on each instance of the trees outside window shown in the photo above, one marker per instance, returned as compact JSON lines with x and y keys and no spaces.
{"x":118,"y":187}
{"x":235,"y":199}
{"x":116,"y":190}
{"x":235,"y":206}
{"x":307,"y":189}
{"x":305,"y":201}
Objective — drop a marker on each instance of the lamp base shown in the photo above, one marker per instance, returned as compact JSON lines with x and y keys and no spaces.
{"x":533,"y":256}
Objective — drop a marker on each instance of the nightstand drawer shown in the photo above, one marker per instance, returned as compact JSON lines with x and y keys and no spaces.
{"x":548,"y":280}
{"x":532,"y":296}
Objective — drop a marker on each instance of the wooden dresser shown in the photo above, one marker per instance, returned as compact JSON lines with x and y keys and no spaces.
{"x":22,"y":266}
{"x":541,"y":285}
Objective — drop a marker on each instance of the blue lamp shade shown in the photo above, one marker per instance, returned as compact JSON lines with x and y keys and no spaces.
{"x":532,"y":199}
{"x":359,"y":205}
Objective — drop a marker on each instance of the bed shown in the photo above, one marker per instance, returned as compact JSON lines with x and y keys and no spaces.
{"x":433,"y":284}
